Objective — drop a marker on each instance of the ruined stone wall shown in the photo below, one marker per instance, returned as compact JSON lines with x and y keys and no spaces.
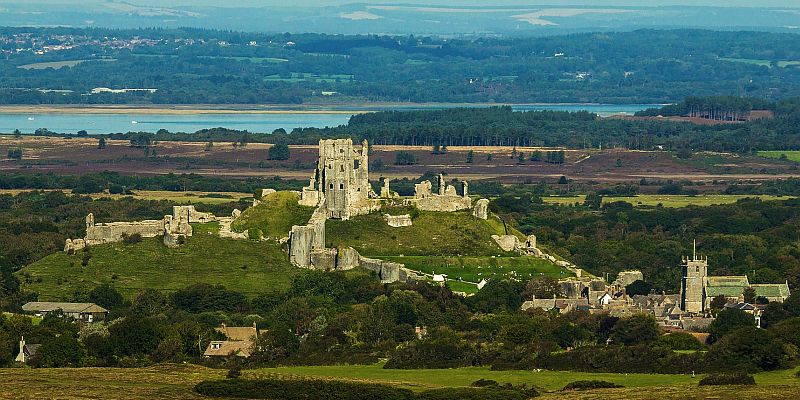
{"x":625,"y":278}
{"x":388,"y":271}
{"x":481,"y":210}
{"x":192,"y":215}
{"x":304,"y":239}
{"x":113,"y":231}
{"x":397,"y":221}
{"x":446,"y":199}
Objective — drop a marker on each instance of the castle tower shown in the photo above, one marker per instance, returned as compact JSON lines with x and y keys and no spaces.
{"x":343,"y":176}
{"x":693,"y":282}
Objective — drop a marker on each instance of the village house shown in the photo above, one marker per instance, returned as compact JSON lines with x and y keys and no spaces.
{"x":84,"y":312}
{"x":26,"y":351}
{"x":240,"y":341}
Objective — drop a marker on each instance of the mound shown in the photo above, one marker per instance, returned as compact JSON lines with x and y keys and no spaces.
{"x":274,"y":216}
{"x":246,"y":266}
{"x":431,"y":234}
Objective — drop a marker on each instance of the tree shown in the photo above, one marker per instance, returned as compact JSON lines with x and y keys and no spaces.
{"x":489,"y":157}
{"x":593,"y":200}
{"x":15,"y":154}
{"x":209,"y":146}
{"x":135,"y":335}
{"x":638,"y":287}
{"x":17,"y":133}
{"x":684,"y":153}
{"x":521,"y":158}
{"x":536,"y":156}
{"x":279,"y":152}
{"x":436,"y":149}
{"x":106,"y":296}
{"x":542,"y":287}
{"x":750,"y":295}
{"x":404,"y":158}
{"x":82,"y":133}
{"x":497,"y":296}
{"x":729,"y":320}
{"x":749,"y":349}
{"x":470,"y":157}
{"x":101,"y":143}
{"x":59,"y":351}
{"x":636,"y":329}
{"x":718,"y":302}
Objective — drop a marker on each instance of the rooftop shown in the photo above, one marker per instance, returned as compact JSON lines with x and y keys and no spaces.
{"x":47,"y":306}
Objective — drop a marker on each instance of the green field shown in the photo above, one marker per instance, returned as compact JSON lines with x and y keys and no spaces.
{"x":790,"y":155}
{"x":275,"y":215}
{"x":173,"y":381}
{"x":60,"y":64}
{"x":246,"y":266}
{"x":674,"y":201}
{"x":308,"y":77}
{"x":474,"y":269}
{"x":432,"y":234}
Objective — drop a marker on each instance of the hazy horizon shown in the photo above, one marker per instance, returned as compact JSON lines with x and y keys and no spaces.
{"x":319,"y":3}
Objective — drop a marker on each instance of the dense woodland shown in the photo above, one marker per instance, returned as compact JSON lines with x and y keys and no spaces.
{"x":200,"y":66}
{"x":501,"y":126}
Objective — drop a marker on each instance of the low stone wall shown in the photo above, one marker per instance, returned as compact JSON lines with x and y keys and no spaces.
{"x":397,"y":221}
{"x":191,"y":215}
{"x":388,"y":271}
{"x":443,"y":203}
{"x":113,"y":231}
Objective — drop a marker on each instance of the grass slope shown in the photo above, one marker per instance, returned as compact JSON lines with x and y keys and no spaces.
{"x":474,"y":269}
{"x":791,"y":155}
{"x":275,"y":215}
{"x":246,"y":266}
{"x":432,"y":234}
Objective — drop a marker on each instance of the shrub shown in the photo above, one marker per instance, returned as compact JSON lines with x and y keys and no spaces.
{"x":235,"y":372}
{"x":405,"y":158}
{"x":493,"y":393}
{"x":728,"y":379}
{"x":300,"y":389}
{"x":131,"y":239}
{"x":484,"y":382}
{"x":589,"y":385}
{"x":279,"y":152}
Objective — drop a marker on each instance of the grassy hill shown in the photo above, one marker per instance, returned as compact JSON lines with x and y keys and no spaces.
{"x":246,"y":266}
{"x":456,"y":244}
{"x":432,"y":234}
{"x":274,"y":216}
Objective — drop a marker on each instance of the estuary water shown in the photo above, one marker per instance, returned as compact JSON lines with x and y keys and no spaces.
{"x":268,"y":122}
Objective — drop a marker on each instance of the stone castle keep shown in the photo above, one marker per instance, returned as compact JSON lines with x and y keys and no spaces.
{"x":339,"y":188}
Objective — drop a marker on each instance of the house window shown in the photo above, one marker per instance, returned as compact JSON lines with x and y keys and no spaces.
{"x":215,"y":346}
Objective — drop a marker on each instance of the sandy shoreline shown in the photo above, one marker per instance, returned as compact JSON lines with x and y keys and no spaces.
{"x":189,"y":109}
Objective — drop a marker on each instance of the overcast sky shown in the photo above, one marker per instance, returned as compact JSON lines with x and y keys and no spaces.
{"x":251,"y":3}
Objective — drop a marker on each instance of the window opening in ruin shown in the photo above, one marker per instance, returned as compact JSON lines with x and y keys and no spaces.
{"x":341,"y":168}
{"x":697,"y":269}
{"x":355,"y":164}
{"x":331,"y":186}
{"x":341,"y":186}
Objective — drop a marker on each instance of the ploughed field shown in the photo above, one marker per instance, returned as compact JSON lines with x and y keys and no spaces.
{"x":81,"y":155}
{"x":171,"y":381}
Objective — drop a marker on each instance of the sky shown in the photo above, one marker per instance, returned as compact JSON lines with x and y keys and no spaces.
{"x":306,"y":3}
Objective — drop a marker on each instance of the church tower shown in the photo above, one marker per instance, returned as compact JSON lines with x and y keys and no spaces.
{"x":695,"y":271}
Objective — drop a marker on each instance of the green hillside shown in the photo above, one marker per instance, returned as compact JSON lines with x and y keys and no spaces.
{"x":246,"y":266}
{"x":432,"y":234}
{"x":274,"y":216}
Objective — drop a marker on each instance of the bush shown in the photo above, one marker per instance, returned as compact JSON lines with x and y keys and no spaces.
{"x":404,"y":158}
{"x":300,"y":389}
{"x":279,"y":152}
{"x":484,"y":383}
{"x":493,"y":393}
{"x":589,"y":385}
{"x":235,"y":372}
{"x":728,"y":379}
{"x":131,"y":239}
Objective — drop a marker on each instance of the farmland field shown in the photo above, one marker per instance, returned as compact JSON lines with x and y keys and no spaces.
{"x":674,"y":201}
{"x":60,"y":64}
{"x":172,"y":381}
